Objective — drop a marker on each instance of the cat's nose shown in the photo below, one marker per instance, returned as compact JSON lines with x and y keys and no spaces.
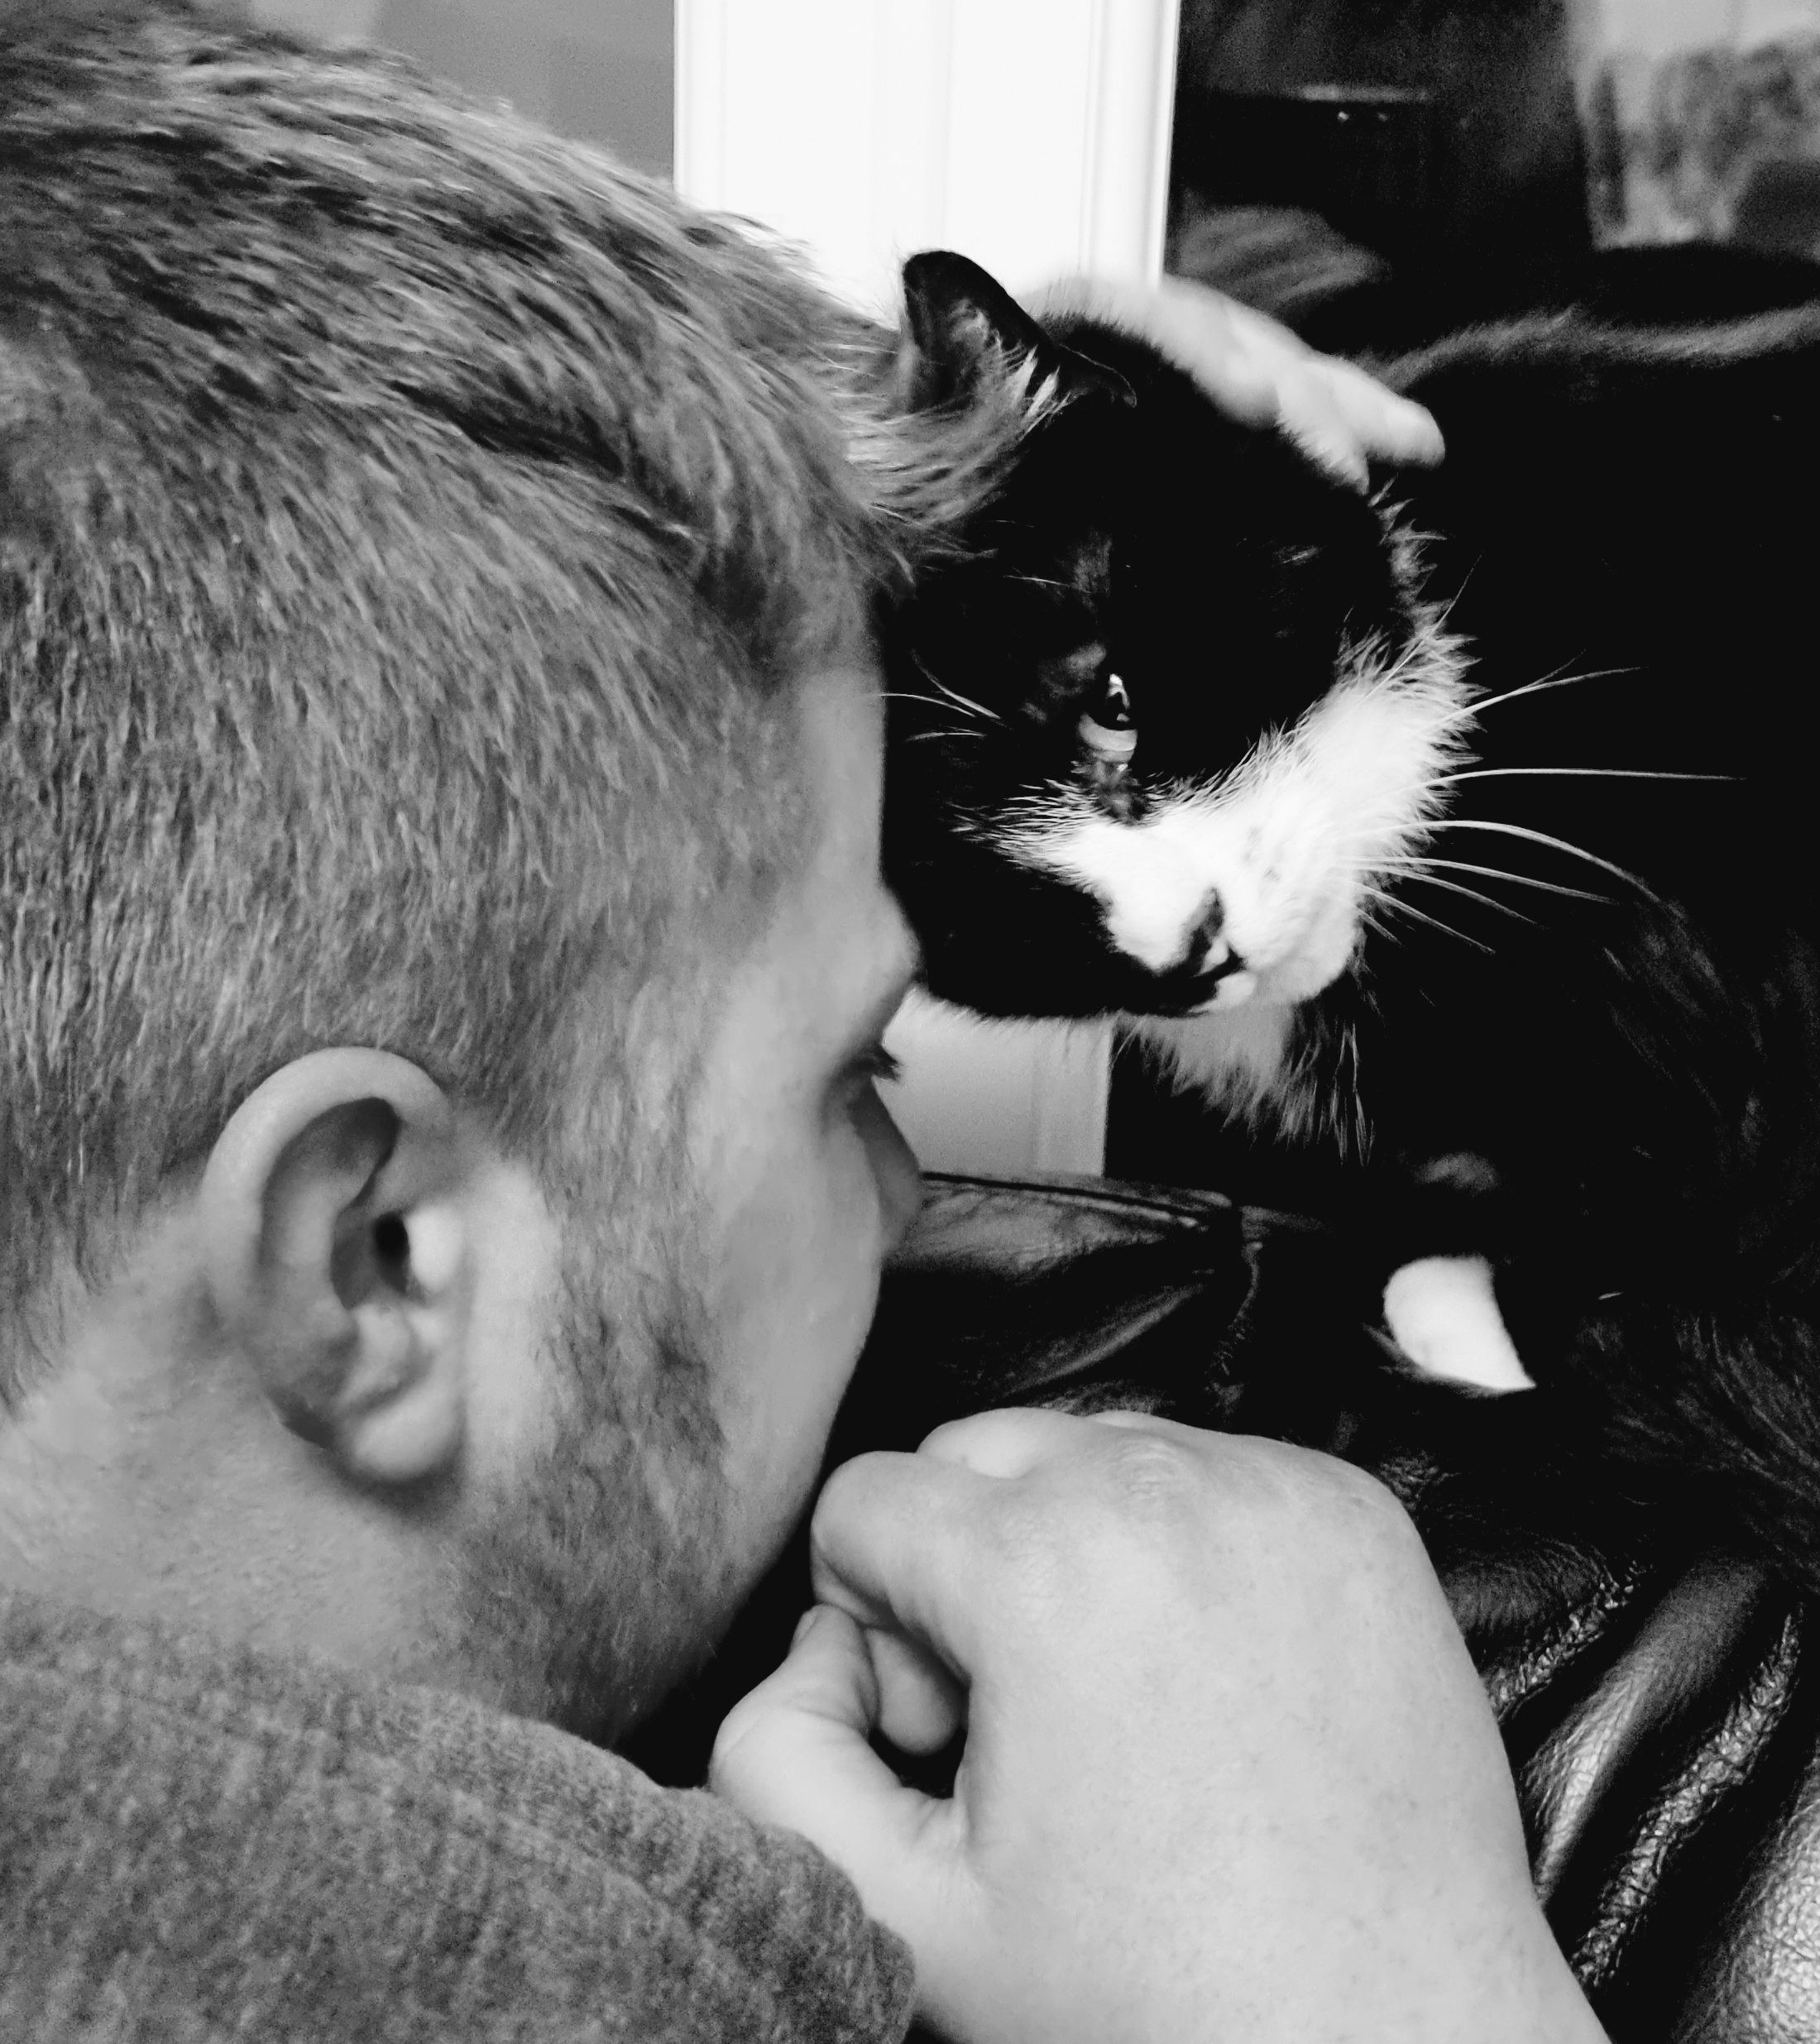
{"x":1210,"y":954}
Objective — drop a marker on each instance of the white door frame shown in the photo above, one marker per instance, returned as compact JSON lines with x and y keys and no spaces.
{"x":1033,"y":136}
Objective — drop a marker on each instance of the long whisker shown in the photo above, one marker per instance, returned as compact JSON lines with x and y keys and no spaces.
{"x":1557,"y":679}
{"x":1472,"y":894}
{"x":953,"y":695}
{"x":960,"y":702}
{"x":966,"y":702}
{"x":909,"y":694}
{"x":1488,"y":873}
{"x":1603,"y":773}
{"x":1451,"y":604}
{"x":1541,"y":837}
{"x":1446,"y":929}
{"x":1372,"y":922}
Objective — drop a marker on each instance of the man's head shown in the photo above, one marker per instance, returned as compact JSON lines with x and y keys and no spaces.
{"x":440,"y":930}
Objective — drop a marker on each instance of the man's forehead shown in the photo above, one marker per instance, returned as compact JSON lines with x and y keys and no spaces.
{"x":840,"y":710}
{"x":870,"y":949}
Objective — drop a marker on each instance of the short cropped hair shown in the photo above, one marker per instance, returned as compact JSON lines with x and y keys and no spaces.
{"x":409,"y":528}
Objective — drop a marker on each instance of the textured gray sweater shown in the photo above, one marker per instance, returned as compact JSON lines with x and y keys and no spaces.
{"x":198,"y":1842}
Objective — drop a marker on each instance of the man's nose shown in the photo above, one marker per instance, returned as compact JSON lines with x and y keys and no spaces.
{"x":900,"y":1177}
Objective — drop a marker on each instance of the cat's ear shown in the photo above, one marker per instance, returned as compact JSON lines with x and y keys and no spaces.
{"x":960,"y":325}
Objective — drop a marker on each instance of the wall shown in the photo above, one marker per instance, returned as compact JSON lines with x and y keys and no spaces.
{"x":601,"y":70}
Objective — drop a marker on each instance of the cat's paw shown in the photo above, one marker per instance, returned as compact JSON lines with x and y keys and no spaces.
{"x":1442,"y":1313}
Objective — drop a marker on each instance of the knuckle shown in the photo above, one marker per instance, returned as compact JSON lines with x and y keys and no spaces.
{"x":955,"y":1433}
{"x":1135,"y":1495}
{"x":1153,"y":1476}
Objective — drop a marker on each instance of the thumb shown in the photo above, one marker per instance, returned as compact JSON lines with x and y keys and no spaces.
{"x":795,"y":1753}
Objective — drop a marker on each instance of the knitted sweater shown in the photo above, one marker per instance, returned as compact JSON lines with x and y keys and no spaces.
{"x":199,"y":1842}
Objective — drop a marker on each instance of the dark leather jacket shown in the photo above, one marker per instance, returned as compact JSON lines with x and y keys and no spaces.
{"x":1650,"y":1673}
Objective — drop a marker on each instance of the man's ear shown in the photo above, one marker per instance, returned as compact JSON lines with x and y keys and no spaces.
{"x":960,"y":325}
{"x":338,"y":1260}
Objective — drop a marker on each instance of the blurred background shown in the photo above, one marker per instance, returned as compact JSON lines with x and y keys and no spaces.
{"x":1481,"y":128}
{"x":601,"y":70}
{"x":1364,"y":166}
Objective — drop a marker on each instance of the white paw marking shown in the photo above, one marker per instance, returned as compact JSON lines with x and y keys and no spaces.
{"x":1443,"y":1314}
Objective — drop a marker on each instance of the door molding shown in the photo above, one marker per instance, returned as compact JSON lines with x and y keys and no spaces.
{"x":1033,"y":136}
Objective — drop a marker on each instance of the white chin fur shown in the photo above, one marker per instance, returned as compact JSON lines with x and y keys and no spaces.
{"x":1292,"y":845}
{"x":1232,"y":991}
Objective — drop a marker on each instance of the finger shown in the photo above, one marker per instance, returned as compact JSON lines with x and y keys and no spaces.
{"x":932,"y":1547}
{"x":921,"y":1705}
{"x":1227,"y":349}
{"x":1341,"y":416}
{"x":1388,"y":426}
{"x":1236,"y":355}
{"x":794,"y":1753}
{"x":906,"y":1543}
{"x":1260,"y":374}
{"x":1009,"y":1441}
{"x":822,"y":1699}
{"x":1308,"y":413}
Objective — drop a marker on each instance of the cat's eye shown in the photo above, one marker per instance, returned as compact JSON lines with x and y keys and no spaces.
{"x":1108,"y":731}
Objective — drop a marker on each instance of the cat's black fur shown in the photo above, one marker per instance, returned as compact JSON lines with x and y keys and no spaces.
{"x":1599,"y":1065}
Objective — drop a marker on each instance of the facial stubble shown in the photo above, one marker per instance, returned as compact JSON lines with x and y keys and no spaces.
{"x":605,"y":1579}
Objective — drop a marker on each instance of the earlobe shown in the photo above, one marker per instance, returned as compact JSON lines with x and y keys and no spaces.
{"x":337,"y":1259}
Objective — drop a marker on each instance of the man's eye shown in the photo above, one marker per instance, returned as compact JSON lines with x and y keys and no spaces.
{"x":878,"y":1065}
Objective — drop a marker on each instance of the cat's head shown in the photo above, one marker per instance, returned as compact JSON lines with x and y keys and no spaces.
{"x":1175,"y":712}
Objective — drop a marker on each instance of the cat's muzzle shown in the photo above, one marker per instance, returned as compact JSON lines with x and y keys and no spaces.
{"x":1210,"y":957}
{"x":1211,"y":974}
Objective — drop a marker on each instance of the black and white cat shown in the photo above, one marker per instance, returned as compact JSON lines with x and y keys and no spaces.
{"x":1465,"y":834}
